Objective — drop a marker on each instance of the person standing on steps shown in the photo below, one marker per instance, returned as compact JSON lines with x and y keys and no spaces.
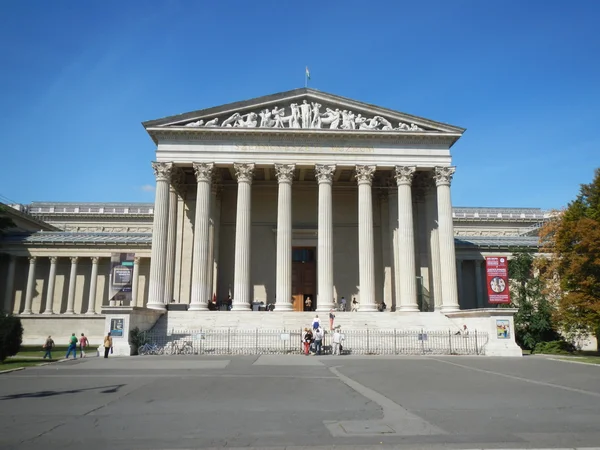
{"x":108,"y":345}
{"x":72,"y":346}
{"x":48,"y":346}
{"x":331,"y":319}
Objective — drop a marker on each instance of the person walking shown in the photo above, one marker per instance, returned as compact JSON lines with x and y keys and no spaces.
{"x":48,"y":346}
{"x":318,"y":340}
{"x":83,"y":344}
{"x":316,"y":323}
{"x":354,"y":305}
{"x":72,"y":346}
{"x":108,"y":345}
{"x":343,"y":302}
{"x":331,"y":319}
{"x":307,"y":338}
{"x":337,"y":341}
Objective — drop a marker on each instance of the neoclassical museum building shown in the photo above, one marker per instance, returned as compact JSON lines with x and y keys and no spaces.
{"x":274,"y":200}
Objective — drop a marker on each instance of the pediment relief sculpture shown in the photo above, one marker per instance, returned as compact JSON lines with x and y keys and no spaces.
{"x":305,"y":115}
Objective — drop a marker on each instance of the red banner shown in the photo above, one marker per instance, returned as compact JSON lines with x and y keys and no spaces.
{"x":496,"y":268}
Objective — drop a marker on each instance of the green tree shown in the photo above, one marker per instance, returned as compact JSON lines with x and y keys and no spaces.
{"x":11,"y":335}
{"x":533,"y":320}
{"x":5,"y":221}
{"x":573,"y":238}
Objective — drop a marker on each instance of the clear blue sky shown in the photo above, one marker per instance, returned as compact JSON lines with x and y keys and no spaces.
{"x":79,"y":77}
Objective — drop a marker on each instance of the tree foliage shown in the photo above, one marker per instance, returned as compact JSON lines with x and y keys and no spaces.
{"x":5,"y":221}
{"x":534,"y":318}
{"x":573,"y":239}
{"x":11,"y":335}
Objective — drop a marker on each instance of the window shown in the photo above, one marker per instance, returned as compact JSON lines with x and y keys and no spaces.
{"x":303,"y":254}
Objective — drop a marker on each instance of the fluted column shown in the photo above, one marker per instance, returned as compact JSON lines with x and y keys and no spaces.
{"x":406,"y":239}
{"x":478,"y":284}
{"x":30,"y":286}
{"x":51,"y":282}
{"x":243,"y":231}
{"x":199,"y":301}
{"x":72,"y":285}
{"x":10,"y":284}
{"x":395,"y":260}
{"x":135,"y":282}
{"x":443,"y":178}
{"x":434,"y":246}
{"x":283,"y":291}
{"x":91,"y":309}
{"x":156,"y":294}
{"x":177,"y":178}
{"x":366,"y":249}
{"x":214,"y":235}
{"x":324,"y":174}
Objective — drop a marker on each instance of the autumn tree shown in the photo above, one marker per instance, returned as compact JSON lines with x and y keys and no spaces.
{"x":573,"y":239}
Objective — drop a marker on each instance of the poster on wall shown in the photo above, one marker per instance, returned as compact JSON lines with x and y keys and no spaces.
{"x":496,"y":268}
{"x":116,"y":327}
{"x":502,"y":329}
{"x":121,"y":277}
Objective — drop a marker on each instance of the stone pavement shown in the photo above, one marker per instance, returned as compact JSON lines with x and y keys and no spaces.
{"x":293,"y":402}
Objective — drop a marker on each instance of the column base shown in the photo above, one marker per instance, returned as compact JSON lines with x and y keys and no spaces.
{"x":408,"y":308}
{"x":283,"y":307}
{"x":241,"y":307}
{"x":198,"y":307}
{"x":47,"y":313}
{"x":450,"y":308}
{"x":69,"y":313}
{"x":367,"y":308}
{"x":157,"y":306}
{"x":325,"y":308}
{"x":90,"y":313}
{"x":27,"y":313}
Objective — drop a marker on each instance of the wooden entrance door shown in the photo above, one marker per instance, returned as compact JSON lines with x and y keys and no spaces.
{"x":304,"y":277}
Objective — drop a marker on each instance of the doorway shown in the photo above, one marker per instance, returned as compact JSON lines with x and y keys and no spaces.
{"x":304,"y":278}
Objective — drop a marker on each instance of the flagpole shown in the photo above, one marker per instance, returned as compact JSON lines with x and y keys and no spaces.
{"x":305,"y":79}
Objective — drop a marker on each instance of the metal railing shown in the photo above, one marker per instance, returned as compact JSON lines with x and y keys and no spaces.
{"x":233,"y":341}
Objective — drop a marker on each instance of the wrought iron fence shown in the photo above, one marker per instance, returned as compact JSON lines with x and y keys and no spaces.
{"x":233,"y":341}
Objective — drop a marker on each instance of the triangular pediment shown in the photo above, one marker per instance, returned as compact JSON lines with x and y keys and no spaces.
{"x":304,"y":109}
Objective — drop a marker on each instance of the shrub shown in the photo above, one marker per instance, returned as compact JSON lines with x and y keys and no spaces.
{"x":554,"y":348}
{"x":137,"y":338}
{"x":11,"y":335}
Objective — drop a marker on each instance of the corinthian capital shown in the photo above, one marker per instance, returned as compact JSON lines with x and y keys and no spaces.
{"x":404,"y":174}
{"x":324,"y":172}
{"x":443,"y":175}
{"x":162,"y":170}
{"x":364,"y":174}
{"x":203,"y":171}
{"x":244,"y":172}
{"x":285,"y":172}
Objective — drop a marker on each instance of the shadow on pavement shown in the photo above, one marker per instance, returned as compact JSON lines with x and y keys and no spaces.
{"x":111,"y":389}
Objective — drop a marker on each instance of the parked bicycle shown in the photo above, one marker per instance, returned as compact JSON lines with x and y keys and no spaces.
{"x":179,"y":348}
{"x":150,"y":349}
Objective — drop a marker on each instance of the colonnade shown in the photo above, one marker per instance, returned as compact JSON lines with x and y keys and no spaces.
{"x":48,"y":301}
{"x":441,"y":239}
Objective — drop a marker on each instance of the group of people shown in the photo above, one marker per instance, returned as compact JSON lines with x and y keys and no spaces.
{"x":83,"y":342}
{"x":312,"y":338}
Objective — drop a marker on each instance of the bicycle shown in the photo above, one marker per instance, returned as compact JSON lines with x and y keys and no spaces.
{"x":179,"y":348}
{"x":150,"y":349}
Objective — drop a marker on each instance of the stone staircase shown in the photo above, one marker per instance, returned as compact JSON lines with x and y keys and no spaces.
{"x":198,"y":320}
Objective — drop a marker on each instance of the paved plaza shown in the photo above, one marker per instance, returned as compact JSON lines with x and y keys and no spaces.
{"x":173,"y":402}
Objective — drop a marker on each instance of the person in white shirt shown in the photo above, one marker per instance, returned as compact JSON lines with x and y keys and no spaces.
{"x":337,"y":341}
{"x":318,"y":340}
{"x":316,"y":323}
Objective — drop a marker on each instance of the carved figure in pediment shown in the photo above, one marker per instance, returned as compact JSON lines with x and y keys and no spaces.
{"x":402,"y":127}
{"x":305,"y":114}
{"x":386,"y":124}
{"x":198,"y":123}
{"x":230,"y":121}
{"x":316,"y":115}
{"x":331,"y":118}
{"x":249,"y":120}
{"x":265,"y":119}
{"x":413,"y":127}
{"x":294,"y":120}
{"x":212,"y":123}
{"x":278,"y":116}
{"x":346,"y":125}
{"x":370,"y":124}
{"x":359,"y":120}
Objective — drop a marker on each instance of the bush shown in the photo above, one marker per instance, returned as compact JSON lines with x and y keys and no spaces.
{"x":554,"y":348}
{"x":11,"y":335}
{"x":137,"y":338}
